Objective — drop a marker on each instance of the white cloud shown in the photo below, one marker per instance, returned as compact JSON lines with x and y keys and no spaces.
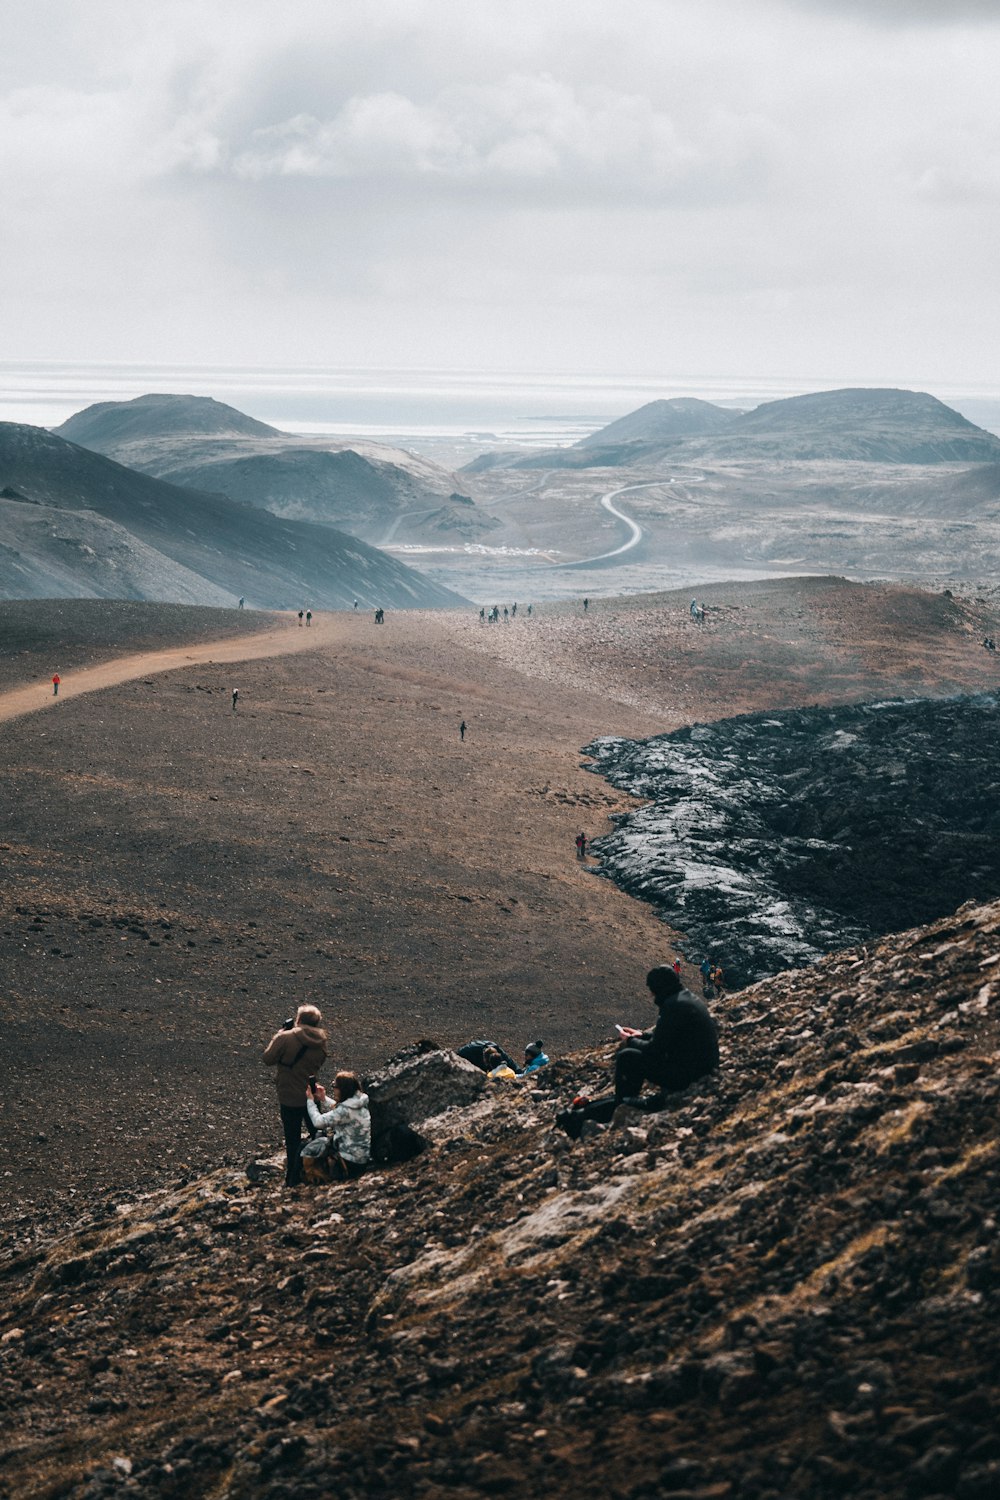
{"x":559,"y":180}
{"x":524,"y":128}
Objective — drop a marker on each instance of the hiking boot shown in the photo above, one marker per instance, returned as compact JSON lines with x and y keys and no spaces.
{"x":625,"y":1113}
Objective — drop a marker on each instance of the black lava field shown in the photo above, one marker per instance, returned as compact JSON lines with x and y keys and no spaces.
{"x":773,"y":838}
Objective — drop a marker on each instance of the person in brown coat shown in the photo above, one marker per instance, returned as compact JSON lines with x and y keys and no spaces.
{"x":296,"y":1052}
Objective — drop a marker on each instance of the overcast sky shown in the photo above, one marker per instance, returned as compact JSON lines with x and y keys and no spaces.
{"x":798,"y":188}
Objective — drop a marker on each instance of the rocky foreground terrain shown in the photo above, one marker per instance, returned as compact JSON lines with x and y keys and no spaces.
{"x":786,"y":1285}
{"x":781,"y":1288}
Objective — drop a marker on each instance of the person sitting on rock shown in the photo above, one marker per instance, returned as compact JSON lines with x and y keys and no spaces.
{"x":534,"y":1058}
{"x":682,"y":1047}
{"x":505,"y":1067}
{"x":348,"y":1125}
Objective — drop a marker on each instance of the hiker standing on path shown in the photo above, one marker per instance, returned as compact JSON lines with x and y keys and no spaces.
{"x":297,"y":1052}
{"x":241,"y":603}
{"x":461,"y":730}
{"x":309,"y":616}
{"x":581,"y":846}
{"x":236,"y":694}
{"x":586,"y":605}
{"x":682,"y":1047}
{"x":55,"y":685}
{"x":301,"y":615}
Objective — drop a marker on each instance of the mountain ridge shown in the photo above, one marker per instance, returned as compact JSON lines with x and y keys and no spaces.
{"x":367,"y":489}
{"x":854,"y":424}
{"x":111,"y":423}
{"x":237,"y":549}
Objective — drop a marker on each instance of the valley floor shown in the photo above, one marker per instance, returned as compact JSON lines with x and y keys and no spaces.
{"x":776,"y":1291}
{"x":177,"y":876}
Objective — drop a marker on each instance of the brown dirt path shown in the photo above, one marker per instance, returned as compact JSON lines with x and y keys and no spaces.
{"x":278,"y":641}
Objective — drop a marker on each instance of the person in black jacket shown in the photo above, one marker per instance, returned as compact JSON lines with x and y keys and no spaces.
{"x":682,"y":1046}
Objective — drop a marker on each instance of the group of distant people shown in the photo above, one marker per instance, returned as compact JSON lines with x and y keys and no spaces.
{"x":297,"y":1052}
{"x":307,"y":615}
{"x":492,"y":616}
{"x":338,"y":1147}
{"x":712,"y":979}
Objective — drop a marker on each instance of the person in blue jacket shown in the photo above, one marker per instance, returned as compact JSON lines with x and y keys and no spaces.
{"x":534,"y":1058}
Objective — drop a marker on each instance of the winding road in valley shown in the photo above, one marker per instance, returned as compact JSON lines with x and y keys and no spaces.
{"x":635,"y":530}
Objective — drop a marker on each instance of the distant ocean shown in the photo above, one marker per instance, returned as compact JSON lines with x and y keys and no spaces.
{"x":414,"y":408}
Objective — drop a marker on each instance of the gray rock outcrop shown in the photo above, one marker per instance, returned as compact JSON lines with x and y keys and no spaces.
{"x":417,"y":1088}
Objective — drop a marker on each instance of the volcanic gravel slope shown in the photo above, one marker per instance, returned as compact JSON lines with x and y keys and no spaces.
{"x":177,"y":876}
{"x":788,"y":1284}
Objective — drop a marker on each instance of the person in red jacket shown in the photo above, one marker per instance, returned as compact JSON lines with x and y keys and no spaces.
{"x":296,"y":1052}
{"x":55,"y":686}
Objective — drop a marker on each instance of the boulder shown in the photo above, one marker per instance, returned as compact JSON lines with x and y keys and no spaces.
{"x":418,"y":1088}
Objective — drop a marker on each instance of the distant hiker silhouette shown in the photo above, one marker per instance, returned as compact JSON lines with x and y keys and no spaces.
{"x":236,"y":694}
{"x":355,"y":604}
{"x":55,"y":686}
{"x":379,"y":616}
{"x":241,"y":603}
{"x":301,"y":614}
{"x":309,"y":616}
{"x":586,"y":605}
{"x":461,"y":730}
{"x":513,"y":610}
{"x":581,"y":846}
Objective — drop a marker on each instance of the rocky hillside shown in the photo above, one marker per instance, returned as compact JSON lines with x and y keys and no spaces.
{"x":771,"y":838}
{"x":368,"y":489}
{"x":79,"y":524}
{"x":787,"y":1284}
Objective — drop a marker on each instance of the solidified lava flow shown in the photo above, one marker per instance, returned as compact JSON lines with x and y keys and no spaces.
{"x":772,"y":838}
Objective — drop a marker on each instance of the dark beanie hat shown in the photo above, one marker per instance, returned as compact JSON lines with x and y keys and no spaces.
{"x":663,"y":982}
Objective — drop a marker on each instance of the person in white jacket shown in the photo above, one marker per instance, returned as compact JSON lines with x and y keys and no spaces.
{"x":348,"y":1125}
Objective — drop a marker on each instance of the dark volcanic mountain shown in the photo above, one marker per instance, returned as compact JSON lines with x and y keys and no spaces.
{"x":77,"y":524}
{"x":879,"y":426}
{"x":107,"y":425}
{"x":660,"y":421}
{"x":368,"y":489}
{"x":848,"y":426}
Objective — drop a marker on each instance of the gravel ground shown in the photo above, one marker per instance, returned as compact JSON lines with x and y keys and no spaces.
{"x":176,"y":876}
